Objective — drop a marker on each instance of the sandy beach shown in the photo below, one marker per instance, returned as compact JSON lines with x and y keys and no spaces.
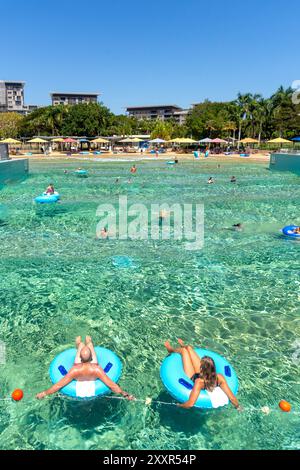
{"x":109,"y":156}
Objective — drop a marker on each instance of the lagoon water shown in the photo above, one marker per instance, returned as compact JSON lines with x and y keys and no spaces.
{"x":238,"y":296}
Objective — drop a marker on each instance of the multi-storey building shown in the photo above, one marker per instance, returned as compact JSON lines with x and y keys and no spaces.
{"x":12,"y":97}
{"x":163,"y":112}
{"x":73,"y":98}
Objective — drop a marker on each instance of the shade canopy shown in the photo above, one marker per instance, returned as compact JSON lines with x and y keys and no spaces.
{"x":183,"y":140}
{"x":249,"y":140}
{"x":68,"y":140}
{"x":206,"y":141}
{"x":37,"y":140}
{"x":296,"y":139}
{"x":58,"y":139}
{"x":219,"y":141}
{"x":10,"y":141}
{"x":279,"y":140}
{"x":100,"y":141}
{"x":131,"y":140}
{"x":157,"y":141}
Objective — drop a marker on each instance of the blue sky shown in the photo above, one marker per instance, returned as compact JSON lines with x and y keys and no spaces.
{"x":138,"y":52}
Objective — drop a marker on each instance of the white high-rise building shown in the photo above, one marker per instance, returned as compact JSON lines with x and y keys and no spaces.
{"x":12,"y":97}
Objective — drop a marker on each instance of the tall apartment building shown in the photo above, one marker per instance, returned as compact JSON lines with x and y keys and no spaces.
{"x":163,"y":112}
{"x":12,"y":97}
{"x":73,"y":98}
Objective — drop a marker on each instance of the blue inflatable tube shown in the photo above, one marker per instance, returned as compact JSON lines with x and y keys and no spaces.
{"x":288,"y":231}
{"x":63,"y":362}
{"x":179,"y":385}
{"x":123,"y":262}
{"x":81,"y":172}
{"x":170,"y":163}
{"x":47,"y":198}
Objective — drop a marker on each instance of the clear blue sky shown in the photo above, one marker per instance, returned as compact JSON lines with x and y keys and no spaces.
{"x":150,"y":52}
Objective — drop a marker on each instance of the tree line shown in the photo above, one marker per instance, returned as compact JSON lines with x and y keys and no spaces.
{"x":250,"y":115}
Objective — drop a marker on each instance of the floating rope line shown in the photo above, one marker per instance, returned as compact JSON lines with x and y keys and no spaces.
{"x":149,"y":401}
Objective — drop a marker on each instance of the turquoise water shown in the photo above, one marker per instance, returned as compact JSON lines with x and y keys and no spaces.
{"x":239,"y":296}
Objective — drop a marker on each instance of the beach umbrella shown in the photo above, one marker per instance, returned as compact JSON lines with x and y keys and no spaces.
{"x":279,"y":140}
{"x":248,"y":140}
{"x":296,"y":139}
{"x":219,"y":141}
{"x":99,"y":140}
{"x":58,"y":140}
{"x":10,"y":141}
{"x":37,"y":140}
{"x":205,"y":141}
{"x":157,"y":141}
{"x":68,"y":140}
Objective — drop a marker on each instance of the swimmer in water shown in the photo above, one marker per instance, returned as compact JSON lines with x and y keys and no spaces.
{"x":50,"y":189}
{"x":65,"y":172}
{"x":238,"y":227}
{"x":202,"y":372}
{"x":297,"y":230}
{"x":104,"y":233}
{"x":163,"y":214}
{"x":233,"y":179}
{"x":117,"y":180}
{"x":85,"y":368}
{"x":133,"y":169}
{"x":210,"y":180}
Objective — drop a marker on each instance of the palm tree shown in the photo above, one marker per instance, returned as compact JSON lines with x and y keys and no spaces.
{"x":231,"y":126}
{"x":54,"y":117}
{"x":243,"y":102}
{"x":261,"y":115}
{"x":281,"y":99}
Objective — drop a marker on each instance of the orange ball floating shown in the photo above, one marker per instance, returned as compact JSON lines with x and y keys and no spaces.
{"x":17,"y":394}
{"x":285,"y":406}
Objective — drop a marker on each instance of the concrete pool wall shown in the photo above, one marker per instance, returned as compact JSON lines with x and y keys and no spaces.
{"x":285,"y":162}
{"x":12,"y":170}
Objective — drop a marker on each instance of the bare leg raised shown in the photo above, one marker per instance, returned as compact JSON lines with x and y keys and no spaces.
{"x":186,"y":359}
{"x":79,"y":345}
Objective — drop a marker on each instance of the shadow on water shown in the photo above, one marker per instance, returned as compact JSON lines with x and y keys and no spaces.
{"x":86,"y":414}
{"x":49,"y":210}
{"x":180,"y":419}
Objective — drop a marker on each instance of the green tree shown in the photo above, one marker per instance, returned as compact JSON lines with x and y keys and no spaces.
{"x":10,"y":124}
{"x":285,"y":114}
{"x":162,"y":130}
{"x":88,"y":119}
{"x":207,"y":119}
{"x":36,"y":123}
{"x":243,"y":103}
{"x":54,"y":116}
